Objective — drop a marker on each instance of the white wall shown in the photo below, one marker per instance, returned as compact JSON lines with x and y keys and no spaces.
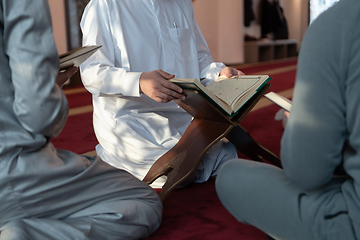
{"x":57,"y":9}
{"x":222,"y":28}
{"x":206,"y":15}
{"x":297,"y":16}
{"x":221,"y":22}
{"x":231,"y":35}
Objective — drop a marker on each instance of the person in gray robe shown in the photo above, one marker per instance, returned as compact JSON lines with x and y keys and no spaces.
{"x":316,"y":195}
{"x":47,"y":193}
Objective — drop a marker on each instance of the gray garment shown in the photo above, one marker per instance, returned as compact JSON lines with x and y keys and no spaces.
{"x":46,"y":193}
{"x":323,"y":131}
{"x":261,"y":195}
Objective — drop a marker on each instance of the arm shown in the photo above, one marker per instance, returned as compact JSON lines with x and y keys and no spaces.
{"x":101,"y":73}
{"x":40,"y":105}
{"x":317,"y":130}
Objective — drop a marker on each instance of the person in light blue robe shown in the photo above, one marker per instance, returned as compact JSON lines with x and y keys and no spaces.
{"x":47,"y":193}
{"x":316,"y":195}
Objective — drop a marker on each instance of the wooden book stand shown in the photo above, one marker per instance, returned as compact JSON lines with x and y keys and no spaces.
{"x":208,"y":127}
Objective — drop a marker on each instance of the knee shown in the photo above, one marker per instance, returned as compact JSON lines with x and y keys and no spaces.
{"x":135,"y":219}
{"x":228,"y":151}
{"x":153,"y":214}
{"x":232,"y":171}
{"x":13,"y":230}
{"x":229,"y":178}
{"x":148,"y":216}
{"x":238,"y":177}
{"x":148,"y":211}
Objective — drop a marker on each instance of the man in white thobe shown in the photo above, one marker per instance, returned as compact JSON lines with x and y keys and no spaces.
{"x":145,"y":43}
{"x":47,"y":193}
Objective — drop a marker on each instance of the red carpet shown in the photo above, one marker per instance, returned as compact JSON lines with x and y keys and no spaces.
{"x":78,"y":135}
{"x":266,"y":66}
{"x":193,"y":212}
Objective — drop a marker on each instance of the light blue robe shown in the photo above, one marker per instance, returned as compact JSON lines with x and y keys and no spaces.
{"x":306,"y":201}
{"x":46,"y":193}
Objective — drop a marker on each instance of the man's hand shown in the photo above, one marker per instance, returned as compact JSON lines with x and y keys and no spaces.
{"x":230,"y":71}
{"x":287,"y":114}
{"x":156,"y":85}
{"x":62,"y":77}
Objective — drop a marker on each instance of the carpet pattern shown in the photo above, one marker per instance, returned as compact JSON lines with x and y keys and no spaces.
{"x":194,"y":212}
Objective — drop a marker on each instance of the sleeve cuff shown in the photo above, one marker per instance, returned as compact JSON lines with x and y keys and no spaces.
{"x":131,"y":84}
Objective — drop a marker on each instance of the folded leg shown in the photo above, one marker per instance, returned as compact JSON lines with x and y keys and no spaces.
{"x":261,"y":195}
{"x":81,"y":198}
{"x":124,"y":219}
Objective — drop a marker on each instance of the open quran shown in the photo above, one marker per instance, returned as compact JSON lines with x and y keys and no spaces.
{"x":226,"y":94}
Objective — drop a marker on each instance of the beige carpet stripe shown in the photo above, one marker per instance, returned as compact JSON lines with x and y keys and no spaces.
{"x":91,"y":153}
{"x":80,"y":110}
{"x":276,"y":70}
{"x":257,"y":64}
{"x":75,"y":90}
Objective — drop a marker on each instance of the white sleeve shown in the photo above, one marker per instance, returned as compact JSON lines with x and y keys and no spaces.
{"x":102,"y":73}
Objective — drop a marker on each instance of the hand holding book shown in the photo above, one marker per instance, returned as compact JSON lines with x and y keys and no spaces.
{"x":64,"y":76}
{"x":229,"y":72}
{"x":156,"y":85}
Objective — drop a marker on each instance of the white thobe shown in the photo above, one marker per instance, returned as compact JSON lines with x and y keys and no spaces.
{"x":141,"y":36}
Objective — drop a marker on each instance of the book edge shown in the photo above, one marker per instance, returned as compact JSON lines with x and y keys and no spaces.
{"x":251,"y":92}
{"x":276,"y":98}
{"x":75,"y":53}
{"x":205,"y":92}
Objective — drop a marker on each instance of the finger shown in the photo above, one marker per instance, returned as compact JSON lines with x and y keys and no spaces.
{"x":226,"y":72}
{"x":166,"y":74}
{"x":163,"y":98}
{"x":170,"y":91}
{"x":237,"y":72}
{"x":234,"y":72}
{"x":70,"y":71}
{"x":174,"y":95}
{"x":240,"y":73}
{"x":171,"y":86}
